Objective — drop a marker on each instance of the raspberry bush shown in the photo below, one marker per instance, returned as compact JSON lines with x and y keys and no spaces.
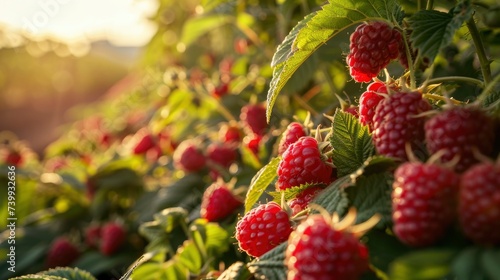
{"x":226,"y":156}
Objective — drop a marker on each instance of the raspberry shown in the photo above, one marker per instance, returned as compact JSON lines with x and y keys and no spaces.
{"x":262,"y":229}
{"x":253,"y":142}
{"x":423,"y":202}
{"x":353,"y":110}
{"x":93,"y":236}
{"x":145,"y":143}
{"x":188,"y":157}
{"x":395,"y":124}
{"x":253,"y":116}
{"x":230,"y":133}
{"x":222,"y":154}
{"x":61,"y":253}
{"x":457,"y":132}
{"x":301,"y":201}
{"x":368,"y":102}
{"x":218,"y":202}
{"x":292,"y":133}
{"x":221,"y":90}
{"x":113,"y":236}
{"x":318,"y":251}
{"x":13,"y":158}
{"x":303,"y":163}
{"x":372,"y":46}
{"x":479,"y":203}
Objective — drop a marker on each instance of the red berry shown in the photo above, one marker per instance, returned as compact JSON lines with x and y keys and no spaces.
{"x":61,"y":253}
{"x":372,"y":46}
{"x":93,"y":236}
{"x":13,"y":158}
{"x":218,"y":202}
{"x":262,"y":229}
{"x":457,"y":132}
{"x":479,"y":203}
{"x":253,"y":116}
{"x":253,"y":142}
{"x":301,"y":201}
{"x":396,"y":123}
{"x":292,"y":133}
{"x":222,"y":155}
{"x":145,"y":143}
{"x":230,"y":133}
{"x":318,"y":251}
{"x":368,"y":102}
{"x":221,"y":90}
{"x":113,"y":236}
{"x":423,"y":202}
{"x":303,"y":163}
{"x":353,"y":110}
{"x":188,"y":157}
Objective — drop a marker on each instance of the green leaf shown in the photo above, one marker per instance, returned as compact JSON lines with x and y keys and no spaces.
{"x":96,"y":263}
{"x":489,"y":262}
{"x":169,"y":218}
{"x":316,"y":29}
{"x":351,"y":142}
{"x":189,"y":256}
{"x":433,"y":30}
{"x":198,"y":26}
{"x":271,"y":265}
{"x":334,"y":198}
{"x":237,"y":271}
{"x":211,"y":238}
{"x":427,"y":264}
{"x":260,"y":182}
{"x":290,"y":193}
{"x":383,"y":248}
{"x":69,"y":273}
{"x":372,"y":195}
{"x":38,"y":277}
{"x":467,"y":264}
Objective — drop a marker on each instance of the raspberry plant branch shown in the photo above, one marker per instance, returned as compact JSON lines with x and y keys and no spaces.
{"x":469,"y":80}
{"x":481,"y":52}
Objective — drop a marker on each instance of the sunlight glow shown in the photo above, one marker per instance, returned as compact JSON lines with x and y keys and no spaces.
{"x":122,"y":22}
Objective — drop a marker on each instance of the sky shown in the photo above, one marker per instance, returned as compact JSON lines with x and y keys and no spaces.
{"x":122,"y":22}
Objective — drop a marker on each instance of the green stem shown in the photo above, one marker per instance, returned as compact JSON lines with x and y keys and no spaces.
{"x":411,"y":67}
{"x":477,"y":82}
{"x":481,"y":52}
{"x":489,"y":89}
{"x":430,"y":5}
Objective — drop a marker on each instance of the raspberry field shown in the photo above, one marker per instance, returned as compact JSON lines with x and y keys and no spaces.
{"x":277,"y":140}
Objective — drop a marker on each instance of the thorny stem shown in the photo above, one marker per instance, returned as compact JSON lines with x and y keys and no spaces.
{"x":489,"y":89}
{"x":477,"y":82}
{"x":481,"y":53}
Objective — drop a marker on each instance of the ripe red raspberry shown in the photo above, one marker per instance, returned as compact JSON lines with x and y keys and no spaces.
{"x":253,"y":116}
{"x":230,"y":132}
{"x":252,"y":141}
{"x":13,"y":158}
{"x":303,"y":163}
{"x":292,"y":133}
{"x":113,"y":236}
{"x":318,"y":251}
{"x":145,"y":143}
{"x":372,"y":46}
{"x":301,"y":201}
{"x":368,"y":102}
{"x":221,"y":90}
{"x":457,"y":131}
{"x":353,"y":110}
{"x":479,"y":203}
{"x":218,"y":202}
{"x":220,"y":157}
{"x":188,"y":157}
{"x":61,"y":253}
{"x":395,"y":124}
{"x":93,"y":236}
{"x":423,"y":202}
{"x":262,"y":229}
